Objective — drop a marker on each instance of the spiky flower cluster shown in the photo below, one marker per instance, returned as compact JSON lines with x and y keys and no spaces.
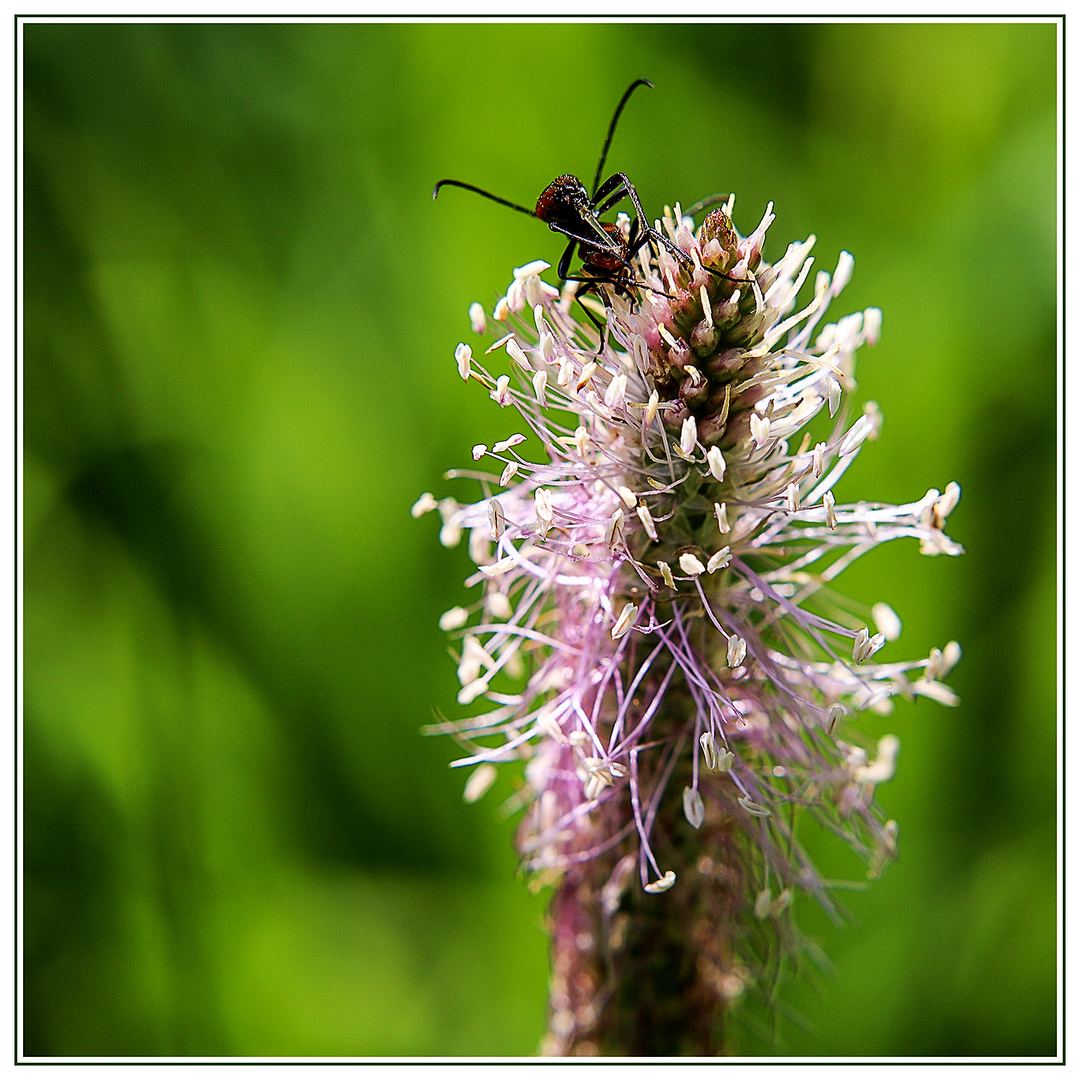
{"x":656,"y":623}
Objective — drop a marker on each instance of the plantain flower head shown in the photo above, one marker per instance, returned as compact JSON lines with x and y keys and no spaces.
{"x":655,"y":628}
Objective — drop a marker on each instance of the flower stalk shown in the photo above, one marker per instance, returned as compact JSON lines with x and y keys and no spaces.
{"x":656,"y":631}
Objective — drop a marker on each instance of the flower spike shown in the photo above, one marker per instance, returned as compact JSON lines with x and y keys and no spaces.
{"x":658,"y":637}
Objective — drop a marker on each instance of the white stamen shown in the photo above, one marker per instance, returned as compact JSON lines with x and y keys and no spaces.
{"x":650,"y":409}
{"x":666,"y":335}
{"x":722,"y":523}
{"x":508,"y":474}
{"x":545,"y":514}
{"x":613,"y":535}
{"x":932,"y":668}
{"x":587,"y":373}
{"x":886,"y":620}
{"x":615,"y":395}
{"x":833,"y":394}
{"x":468,"y":694}
{"x":663,"y":884}
{"x":884,"y":765}
{"x":708,"y":749}
{"x":502,"y":393}
{"x":450,"y":533}
{"x":717,"y":464}
{"x":936,"y":692}
{"x":549,"y":725}
{"x":855,"y":437}
{"x":594,"y":785}
{"x":515,"y":295}
{"x":498,"y":605}
{"x":540,"y":380}
{"x":836,"y":713}
{"x":496,"y":519}
{"x":759,"y":429}
{"x":503,"y":566}
{"x":463,"y":356}
{"x":478,"y":451}
{"x":517,"y":354}
{"x":828,"y":501}
{"x":706,"y":307}
{"x":498,"y":344}
{"x":872,"y":325}
{"x":646,"y":520}
{"x":547,"y":348}
{"x":665,"y":573}
{"x":719,"y":560}
{"x":688,"y":439}
{"x":944,"y":506}
{"x":753,"y":808}
{"x":452,"y":619}
{"x":950,"y":657}
{"x":693,"y":807}
{"x":865,"y":646}
{"x":691,"y":564}
{"x":533,"y":269}
{"x":844,"y":267}
{"x":624,"y":622}
{"x":482,"y":778}
{"x":474,"y":659}
{"x":506,"y":444}
{"x":424,"y":505}
{"x":736,"y":651}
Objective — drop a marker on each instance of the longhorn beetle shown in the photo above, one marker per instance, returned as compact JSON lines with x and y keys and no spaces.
{"x":566,"y":206}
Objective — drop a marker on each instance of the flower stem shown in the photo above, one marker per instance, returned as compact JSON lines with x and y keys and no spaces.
{"x":655,"y":976}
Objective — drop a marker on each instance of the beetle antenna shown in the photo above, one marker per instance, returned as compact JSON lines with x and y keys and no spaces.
{"x":481,"y":191}
{"x":704,"y":204}
{"x":611,"y":130}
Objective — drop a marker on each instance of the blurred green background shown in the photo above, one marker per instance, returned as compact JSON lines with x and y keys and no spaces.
{"x":241,"y":307}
